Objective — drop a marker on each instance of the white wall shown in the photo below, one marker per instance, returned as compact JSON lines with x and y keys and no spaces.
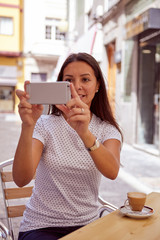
{"x":35,"y":13}
{"x":42,"y":54}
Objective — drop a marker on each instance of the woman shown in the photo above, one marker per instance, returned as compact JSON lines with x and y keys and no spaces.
{"x":69,"y":150}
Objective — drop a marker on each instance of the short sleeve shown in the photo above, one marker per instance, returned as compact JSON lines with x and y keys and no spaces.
{"x":111,"y":132}
{"x":39,"y":132}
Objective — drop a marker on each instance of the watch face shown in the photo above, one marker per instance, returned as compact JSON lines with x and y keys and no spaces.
{"x":95,"y":146}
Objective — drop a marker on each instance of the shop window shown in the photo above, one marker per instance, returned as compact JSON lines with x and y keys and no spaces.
{"x":6,"y":99}
{"x":38,"y":77}
{"x":6,"y":26}
{"x":5,"y":93}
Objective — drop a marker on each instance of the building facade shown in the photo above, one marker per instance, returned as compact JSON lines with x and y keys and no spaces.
{"x":11,"y":60}
{"x":129,"y":56}
{"x":132,"y":41}
{"x":32,"y":37}
{"x":44,"y":38}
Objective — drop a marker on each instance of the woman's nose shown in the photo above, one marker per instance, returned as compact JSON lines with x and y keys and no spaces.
{"x":77,"y":85}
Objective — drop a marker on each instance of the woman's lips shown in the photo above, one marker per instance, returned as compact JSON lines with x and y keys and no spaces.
{"x":81,"y":96}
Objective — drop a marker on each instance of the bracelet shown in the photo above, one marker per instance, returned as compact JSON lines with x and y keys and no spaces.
{"x":95,"y":146}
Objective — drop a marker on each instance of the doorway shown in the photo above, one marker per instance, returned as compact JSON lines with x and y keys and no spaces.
{"x":148,"y":129}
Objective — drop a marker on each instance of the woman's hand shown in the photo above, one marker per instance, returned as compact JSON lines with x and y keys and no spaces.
{"x":29,"y":113}
{"x":76,"y":112}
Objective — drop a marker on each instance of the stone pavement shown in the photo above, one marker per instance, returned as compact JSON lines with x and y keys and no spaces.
{"x":140,"y":171}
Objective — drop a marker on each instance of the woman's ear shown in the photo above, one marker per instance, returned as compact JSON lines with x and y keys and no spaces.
{"x":97,"y":87}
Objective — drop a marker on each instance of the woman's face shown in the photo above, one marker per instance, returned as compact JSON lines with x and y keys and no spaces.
{"x":81,"y":75}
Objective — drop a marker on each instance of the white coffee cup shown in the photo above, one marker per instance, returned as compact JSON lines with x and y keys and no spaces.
{"x":135,"y":201}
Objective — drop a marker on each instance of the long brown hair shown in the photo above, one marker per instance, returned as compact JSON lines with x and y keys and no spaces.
{"x":100,"y":105}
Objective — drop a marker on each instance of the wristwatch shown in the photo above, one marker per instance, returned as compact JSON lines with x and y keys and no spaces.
{"x":95,"y":146}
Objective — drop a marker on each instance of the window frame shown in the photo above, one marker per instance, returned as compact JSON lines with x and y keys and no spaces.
{"x":12,"y":26}
{"x":38,"y":76}
{"x":55,"y":34}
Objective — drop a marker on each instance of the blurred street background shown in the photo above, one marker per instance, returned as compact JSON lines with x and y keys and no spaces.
{"x":124,"y":37}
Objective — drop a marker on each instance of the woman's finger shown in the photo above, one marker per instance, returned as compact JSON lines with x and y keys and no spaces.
{"x":20,"y":94}
{"x":23,"y":111}
{"x":63,"y":108}
{"x":37,"y":106}
{"x":25,"y":104}
{"x":77,"y":118}
{"x":73,"y":91}
{"x":25,"y":83}
{"x":76,"y":103}
{"x":77,"y":111}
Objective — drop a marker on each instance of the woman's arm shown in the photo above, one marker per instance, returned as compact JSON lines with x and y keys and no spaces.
{"x":106,"y":157}
{"x":29,"y":150}
{"x":27,"y":157}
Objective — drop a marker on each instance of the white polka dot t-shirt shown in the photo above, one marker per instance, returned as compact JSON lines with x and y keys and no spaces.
{"x":67,"y":180}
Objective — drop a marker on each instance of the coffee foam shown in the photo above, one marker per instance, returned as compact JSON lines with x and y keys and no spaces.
{"x":136,"y":195}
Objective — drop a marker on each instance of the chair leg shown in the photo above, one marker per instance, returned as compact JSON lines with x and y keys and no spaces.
{"x":4,"y":232}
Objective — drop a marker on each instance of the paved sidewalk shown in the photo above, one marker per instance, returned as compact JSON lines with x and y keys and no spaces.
{"x":140,"y":171}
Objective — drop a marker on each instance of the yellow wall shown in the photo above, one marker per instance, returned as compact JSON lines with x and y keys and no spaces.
{"x":19,"y":62}
{"x":11,"y":43}
{"x":15,"y":61}
{"x":15,"y":2}
{"x":8,"y":61}
{"x":20,"y":84}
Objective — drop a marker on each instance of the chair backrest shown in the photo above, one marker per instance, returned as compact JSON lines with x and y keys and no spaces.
{"x":14,"y":197}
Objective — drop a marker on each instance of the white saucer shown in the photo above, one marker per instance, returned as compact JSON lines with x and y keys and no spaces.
{"x":146,"y":212}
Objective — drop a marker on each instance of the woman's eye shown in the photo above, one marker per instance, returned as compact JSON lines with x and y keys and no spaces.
{"x":85,"y":79}
{"x":68,"y":80}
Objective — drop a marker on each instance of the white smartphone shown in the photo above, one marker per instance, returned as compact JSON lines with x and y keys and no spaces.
{"x":48,"y":92}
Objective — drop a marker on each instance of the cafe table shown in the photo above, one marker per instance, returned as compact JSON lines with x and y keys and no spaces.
{"x":116,"y":226}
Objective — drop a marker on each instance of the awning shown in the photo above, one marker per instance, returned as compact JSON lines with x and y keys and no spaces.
{"x":86,"y":42}
{"x":8,"y":82}
{"x":148,"y":20}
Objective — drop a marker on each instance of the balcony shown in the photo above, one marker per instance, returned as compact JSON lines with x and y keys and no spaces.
{"x":47,"y":49}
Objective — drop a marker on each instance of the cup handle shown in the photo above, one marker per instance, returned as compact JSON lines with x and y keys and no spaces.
{"x":126,"y":204}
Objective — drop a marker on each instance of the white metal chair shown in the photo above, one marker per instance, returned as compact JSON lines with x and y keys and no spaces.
{"x":4,"y":232}
{"x":13,"y":196}
{"x":106,"y":206}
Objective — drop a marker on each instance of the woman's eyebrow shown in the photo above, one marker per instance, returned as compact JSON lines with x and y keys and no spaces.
{"x":68,"y":75}
{"x":84,"y":74}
